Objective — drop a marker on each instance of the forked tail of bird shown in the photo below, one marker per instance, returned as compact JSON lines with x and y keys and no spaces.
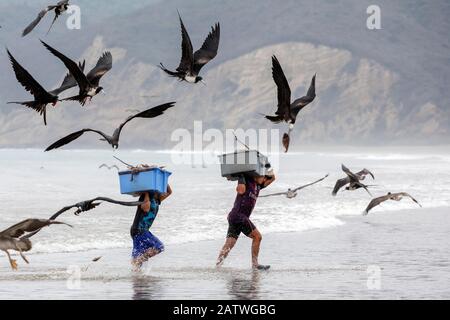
{"x":42,"y":109}
{"x":170,"y":73}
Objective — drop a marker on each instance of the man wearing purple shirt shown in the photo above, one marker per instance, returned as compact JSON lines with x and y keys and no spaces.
{"x":239,"y":218}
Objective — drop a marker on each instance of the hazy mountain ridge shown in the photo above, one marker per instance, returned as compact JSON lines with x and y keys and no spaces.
{"x":364,"y":95}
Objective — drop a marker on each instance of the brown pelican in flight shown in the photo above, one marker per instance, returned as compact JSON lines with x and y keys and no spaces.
{"x":390,"y":196}
{"x":288,"y":110}
{"x":292,"y":193}
{"x":353,"y":180}
{"x":59,"y":9}
{"x":191,"y":63}
{"x":17,"y":237}
{"x":109,"y":167}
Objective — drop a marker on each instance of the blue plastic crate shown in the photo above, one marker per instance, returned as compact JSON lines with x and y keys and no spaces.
{"x":153,"y":179}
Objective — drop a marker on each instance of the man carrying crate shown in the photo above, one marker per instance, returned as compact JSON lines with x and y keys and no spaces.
{"x":145,"y":244}
{"x":239,"y":218}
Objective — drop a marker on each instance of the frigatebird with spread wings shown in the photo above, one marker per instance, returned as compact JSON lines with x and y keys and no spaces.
{"x":287,"y":110}
{"x":89,"y":84}
{"x":59,"y":9}
{"x":191,"y":63}
{"x":114,"y":139}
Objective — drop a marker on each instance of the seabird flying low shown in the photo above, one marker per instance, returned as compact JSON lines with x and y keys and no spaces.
{"x":17,"y":237}
{"x":191,"y":63}
{"x":109,"y":167}
{"x":41,"y":97}
{"x":287,"y":111}
{"x":89,"y":84}
{"x":114,"y":139}
{"x":390,"y":196}
{"x":59,"y":9}
{"x":353,"y":179}
{"x":292,"y":193}
{"x":89,"y":205}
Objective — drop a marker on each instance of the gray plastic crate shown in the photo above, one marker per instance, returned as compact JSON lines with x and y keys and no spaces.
{"x":249,"y":162}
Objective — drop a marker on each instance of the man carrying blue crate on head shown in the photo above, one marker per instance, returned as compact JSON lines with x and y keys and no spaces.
{"x":151,"y":184}
{"x":145,"y":244}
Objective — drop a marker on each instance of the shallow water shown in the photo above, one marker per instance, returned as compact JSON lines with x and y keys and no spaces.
{"x":37,"y":184}
{"x":409,"y":250}
{"x":319,"y":246}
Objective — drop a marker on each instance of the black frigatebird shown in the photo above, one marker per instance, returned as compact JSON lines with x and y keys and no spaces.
{"x":89,"y":84}
{"x":191,"y":63}
{"x":287,"y":111}
{"x":59,"y":9}
{"x":42,"y":97}
{"x":114,"y":139}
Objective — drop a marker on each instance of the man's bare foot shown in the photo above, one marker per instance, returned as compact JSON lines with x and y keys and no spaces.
{"x":219,"y":263}
{"x":136,"y":266}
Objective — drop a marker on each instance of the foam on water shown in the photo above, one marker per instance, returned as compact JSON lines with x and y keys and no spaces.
{"x":37,"y":184}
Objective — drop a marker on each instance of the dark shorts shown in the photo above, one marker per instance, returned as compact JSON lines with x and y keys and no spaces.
{"x":144,"y":242}
{"x":245,"y":226}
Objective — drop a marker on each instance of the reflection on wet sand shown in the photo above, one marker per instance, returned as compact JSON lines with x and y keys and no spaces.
{"x":146,"y":288}
{"x":244,"y":287}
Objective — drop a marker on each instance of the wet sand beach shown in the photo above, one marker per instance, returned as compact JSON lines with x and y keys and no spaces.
{"x":386,"y":255}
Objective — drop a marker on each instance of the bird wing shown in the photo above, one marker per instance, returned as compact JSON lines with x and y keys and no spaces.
{"x":187,"y":57}
{"x":312,"y":89}
{"x":377,"y":201}
{"x":301,"y":103}
{"x":274,"y":194}
{"x":36,"y":21}
{"x":63,"y":210}
{"x":69,"y":81}
{"x":73,"y":67}
{"x":26,"y":226}
{"x":71,"y":137}
{"x":122,"y":203}
{"x":308,"y":185}
{"x":57,"y":14}
{"x":104,"y":64}
{"x":284,"y":91}
{"x":150,"y":113}
{"x":27,"y":81}
{"x":339,"y":184}
{"x":404,"y":194}
{"x":364,"y":187}
{"x":351,"y":175}
{"x":89,"y":205}
{"x":365,"y":172}
{"x":209,"y":49}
